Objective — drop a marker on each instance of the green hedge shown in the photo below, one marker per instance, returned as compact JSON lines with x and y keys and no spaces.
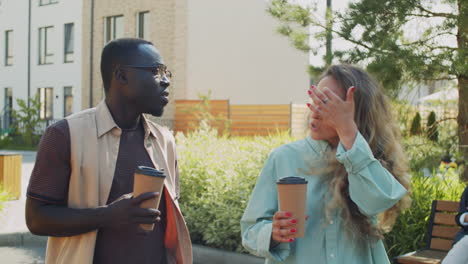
{"x":217,"y":175}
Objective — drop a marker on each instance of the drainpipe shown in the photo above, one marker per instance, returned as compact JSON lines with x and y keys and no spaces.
{"x":91,"y":39}
{"x":29,"y":53}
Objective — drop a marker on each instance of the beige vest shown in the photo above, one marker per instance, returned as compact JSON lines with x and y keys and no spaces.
{"x":95,"y":139}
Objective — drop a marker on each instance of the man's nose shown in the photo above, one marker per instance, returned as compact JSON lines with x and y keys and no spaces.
{"x":165,"y":81}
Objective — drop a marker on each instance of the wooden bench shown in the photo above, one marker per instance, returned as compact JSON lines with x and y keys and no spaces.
{"x":441,"y":230}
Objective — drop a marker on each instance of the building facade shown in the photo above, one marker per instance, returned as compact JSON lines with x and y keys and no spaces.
{"x":41,"y":56}
{"x":105,"y":20}
{"x":233,"y":50}
{"x":52,"y":48}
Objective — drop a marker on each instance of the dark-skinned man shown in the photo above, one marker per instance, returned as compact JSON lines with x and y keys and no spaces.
{"x":80,"y":189}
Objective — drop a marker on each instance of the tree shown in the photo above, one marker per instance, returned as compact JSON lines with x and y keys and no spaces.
{"x":397,"y":40}
{"x":432,"y":132}
{"x":26,"y":119}
{"x":416,"y":125}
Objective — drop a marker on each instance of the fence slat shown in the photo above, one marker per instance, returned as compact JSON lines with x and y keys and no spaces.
{"x":245,"y":120}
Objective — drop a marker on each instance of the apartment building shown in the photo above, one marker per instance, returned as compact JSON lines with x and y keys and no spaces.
{"x":53,"y":47}
{"x":41,"y":55}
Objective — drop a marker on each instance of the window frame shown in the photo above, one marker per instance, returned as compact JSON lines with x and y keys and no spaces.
{"x":141,"y":25}
{"x":44,"y":109}
{"x":44,"y":57}
{"x":110,"y":23}
{"x":8,"y":45}
{"x":65,"y":97}
{"x":47,"y":2}
{"x":7,"y":104}
{"x":68,"y":53}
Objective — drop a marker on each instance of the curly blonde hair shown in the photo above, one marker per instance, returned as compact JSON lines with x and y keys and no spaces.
{"x":374,"y":121}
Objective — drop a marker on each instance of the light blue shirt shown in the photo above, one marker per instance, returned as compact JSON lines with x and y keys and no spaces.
{"x":371,"y":187}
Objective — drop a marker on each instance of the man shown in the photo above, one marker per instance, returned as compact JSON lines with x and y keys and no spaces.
{"x":80,"y":189}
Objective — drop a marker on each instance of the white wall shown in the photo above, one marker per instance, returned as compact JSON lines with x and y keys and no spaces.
{"x":14,"y":16}
{"x":234,"y":50}
{"x":59,"y":74}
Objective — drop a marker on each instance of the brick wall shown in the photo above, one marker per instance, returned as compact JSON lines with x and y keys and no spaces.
{"x":167,"y":35}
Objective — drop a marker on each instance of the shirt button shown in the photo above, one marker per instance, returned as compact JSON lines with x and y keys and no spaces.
{"x":331,"y":222}
{"x":332,"y":255}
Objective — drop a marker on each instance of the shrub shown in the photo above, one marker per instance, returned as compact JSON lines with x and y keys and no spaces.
{"x":409,"y":231}
{"x":4,"y":196}
{"x":432,"y":132}
{"x":416,"y":125}
{"x":422,"y":153}
{"x":217,"y":175}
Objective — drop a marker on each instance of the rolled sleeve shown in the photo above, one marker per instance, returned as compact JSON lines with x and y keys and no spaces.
{"x":371,"y":186}
{"x":256,"y":223}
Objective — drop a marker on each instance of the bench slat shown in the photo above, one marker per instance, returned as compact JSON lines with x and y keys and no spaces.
{"x":422,"y":257}
{"x":445,"y":231}
{"x":444,"y":219}
{"x":441,"y":244}
{"x":448,"y":206}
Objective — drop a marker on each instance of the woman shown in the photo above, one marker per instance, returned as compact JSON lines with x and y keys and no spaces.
{"x":355,"y":168}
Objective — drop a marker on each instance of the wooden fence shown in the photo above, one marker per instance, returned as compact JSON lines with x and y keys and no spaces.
{"x":240,"y":120}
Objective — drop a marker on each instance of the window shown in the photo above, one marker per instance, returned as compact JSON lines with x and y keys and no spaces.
{"x":113,"y":28}
{"x":46,"y":98}
{"x":143,"y":23}
{"x":8,"y":47}
{"x":47,"y":2}
{"x":8,"y":107}
{"x":67,"y":101}
{"x":68,"y":44}
{"x":45,"y":43}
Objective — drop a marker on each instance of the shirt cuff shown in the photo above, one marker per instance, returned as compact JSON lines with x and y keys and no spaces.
{"x":358,"y":157}
{"x":277,"y":253}
{"x":462,"y":219}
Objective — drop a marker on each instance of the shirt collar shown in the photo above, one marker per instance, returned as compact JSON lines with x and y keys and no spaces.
{"x":105,"y":122}
{"x":319,"y":146}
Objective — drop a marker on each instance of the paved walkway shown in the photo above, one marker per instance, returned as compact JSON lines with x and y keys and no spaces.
{"x":17,"y":244}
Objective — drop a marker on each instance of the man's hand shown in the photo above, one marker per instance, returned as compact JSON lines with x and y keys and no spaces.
{"x":126,"y":210}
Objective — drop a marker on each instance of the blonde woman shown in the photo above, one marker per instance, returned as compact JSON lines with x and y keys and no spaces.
{"x":355,"y":168}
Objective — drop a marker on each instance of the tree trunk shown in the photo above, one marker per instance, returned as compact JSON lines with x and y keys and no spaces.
{"x":329,"y":23}
{"x":462,"y":41}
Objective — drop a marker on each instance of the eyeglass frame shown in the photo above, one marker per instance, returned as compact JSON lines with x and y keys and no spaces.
{"x":167,"y":73}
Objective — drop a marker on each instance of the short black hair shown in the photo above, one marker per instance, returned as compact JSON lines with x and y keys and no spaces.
{"x":115,"y":52}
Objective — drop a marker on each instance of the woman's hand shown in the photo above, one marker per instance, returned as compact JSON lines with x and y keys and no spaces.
{"x":335,"y":112}
{"x":283,"y":227}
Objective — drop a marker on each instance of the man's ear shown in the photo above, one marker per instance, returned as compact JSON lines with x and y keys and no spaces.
{"x":120,"y":76}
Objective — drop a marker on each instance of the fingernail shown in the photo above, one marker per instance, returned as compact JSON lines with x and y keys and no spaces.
{"x":288,"y":214}
{"x":353,"y":88}
{"x":291,"y":240}
{"x":309,"y":91}
{"x":312,"y":87}
{"x":308,"y":105}
{"x":293,"y":230}
{"x":294,"y":221}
